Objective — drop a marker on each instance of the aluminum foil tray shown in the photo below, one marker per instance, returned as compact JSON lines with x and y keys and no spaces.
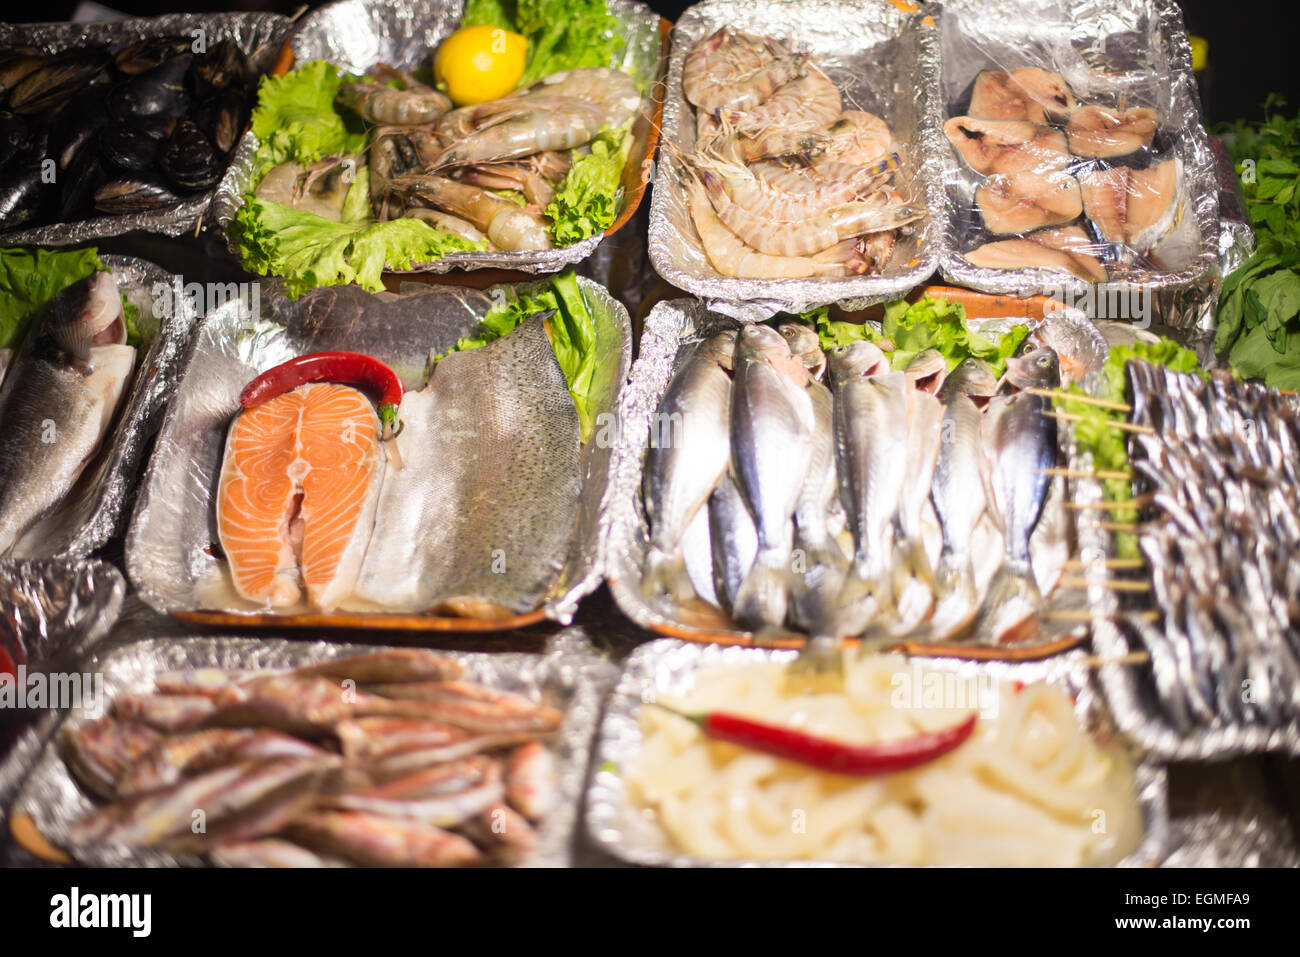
{"x":884,"y":60}
{"x":357,"y":34}
{"x":668,"y":667}
{"x":572,"y":681}
{"x":95,"y":509}
{"x":672,"y":332}
{"x":258,"y":34}
{"x":169,"y":554}
{"x":1136,"y":50}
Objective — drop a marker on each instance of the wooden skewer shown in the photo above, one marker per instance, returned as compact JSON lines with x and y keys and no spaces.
{"x":1082,"y":399}
{"x":1112,"y":584}
{"x":1122,"y":426}
{"x":1113,"y":564}
{"x":1139,"y":502}
{"x":1132,"y":658}
{"x":1084,"y":473}
{"x":1069,"y":614}
{"x":1119,"y":526}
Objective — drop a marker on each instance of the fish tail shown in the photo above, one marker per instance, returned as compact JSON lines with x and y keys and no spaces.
{"x":1012,"y":607}
{"x":862,"y":598}
{"x":912,"y":562}
{"x":955,"y":578}
{"x":666,"y":575}
{"x":763,"y":596}
{"x":817,"y":590}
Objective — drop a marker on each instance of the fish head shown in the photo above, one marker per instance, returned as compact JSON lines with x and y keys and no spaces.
{"x":926,"y":371}
{"x":861,"y":358}
{"x":973,"y":377}
{"x":759,"y":341}
{"x":806,"y":346}
{"x":87,"y":313}
{"x":720,"y":348}
{"x":1039,"y":368}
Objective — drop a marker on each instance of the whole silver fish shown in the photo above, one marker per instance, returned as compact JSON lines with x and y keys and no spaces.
{"x":58,"y":401}
{"x":924,"y":435}
{"x":733,"y":539}
{"x":483,"y":516}
{"x":820,"y":563}
{"x":973,"y":378}
{"x":1022,"y":443}
{"x":806,"y":346}
{"x":927,"y":371}
{"x":870,"y":454}
{"x":688,"y":456}
{"x":772,"y":423}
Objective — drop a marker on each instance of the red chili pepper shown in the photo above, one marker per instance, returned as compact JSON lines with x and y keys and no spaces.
{"x":7,"y":666}
{"x":833,"y":756}
{"x":350,"y":368}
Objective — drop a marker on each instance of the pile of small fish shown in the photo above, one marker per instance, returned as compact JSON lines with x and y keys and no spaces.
{"x":1051,"y":166}
{"x":784,"y":182}
{"x":58,"y":401}
{"x":892,"y":503}
{"x":443,"y":166}
{"x":1223,"y":465}
{"x":139,"y":128}
{"x":380,"y":759}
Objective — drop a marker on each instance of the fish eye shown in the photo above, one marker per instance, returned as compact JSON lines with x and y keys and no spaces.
{"x":1045,"y":359}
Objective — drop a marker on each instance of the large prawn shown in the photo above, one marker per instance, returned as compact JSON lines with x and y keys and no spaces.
{"x":858,"y":136}
{"x":772,"y":202}
{"x":510,"y":128}
{"x":508,"y":226}
{"x":730,"y":70}
{"x":379,"y":103}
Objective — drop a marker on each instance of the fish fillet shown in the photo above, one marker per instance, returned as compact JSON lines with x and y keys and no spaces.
{"x":299,"y":486}
{"x":492,"y":477}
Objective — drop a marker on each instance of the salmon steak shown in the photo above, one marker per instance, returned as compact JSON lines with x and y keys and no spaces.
{"x":296,"y":502}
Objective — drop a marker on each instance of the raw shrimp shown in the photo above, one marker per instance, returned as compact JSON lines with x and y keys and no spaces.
{"x":391,"y":154}
{"x":531,"y":126}
{"x":830,"y":176}
{"x":613,"y":91}
{"x":510,"y":227}
{"x":770,"y":202}
{"x":536,"y":189}
{"x":379,"y":103}
{"x":733,"y":71}
{"x":447,"y":223}
{"x":731,"y":257}
{"x":812,"y":235}
{"x":859,"y":137}
{"x":803,"y":144}
{"x":810,"y":102}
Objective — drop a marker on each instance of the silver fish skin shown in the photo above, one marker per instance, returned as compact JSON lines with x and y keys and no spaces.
{"x":925,"y":417}
{"x":861,"y":358}
{"x":1022,"y":443}
{"x":268,"y":852}
{"x":771,"y":430}
{"x":820,"y":565}
{"x":927,"y":371}
{"x":805,"y":345}
{"x":58,"y":401}
{"x":958,"y":494}
{"x":733,"y":539}
{"x":492,"y":478}
{"x":870,"y":453}
{"x":688,"y":456}
{"x":973,"y":377}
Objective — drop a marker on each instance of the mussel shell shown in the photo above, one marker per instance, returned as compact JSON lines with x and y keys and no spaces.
{"x":53,"y":84}
{"x":22,"y":195}
{"x":143,"y":55}
{"x":221,"y":66}
{"x":128,"y":147}
{"x":15,"y":136}
{"x":78,"y":123}
{"x":158,"y":91}
{"x":80,"y":178}
{"x":189,"y":159}
{"x":223,"y":117}
{"x":133,"y":195}
{"x":15,"y":65}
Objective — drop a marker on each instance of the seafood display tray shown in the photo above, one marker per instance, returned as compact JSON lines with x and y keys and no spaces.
{"x":885,"y":60}
{"x":94,"y":510}
{"x":257,"y":34}
{"x":1133,"y":47}
{"x":169,"y":548}
{"x":668,"y":667}
{"x":671,"y":331}
{"x":52,"y":799}
{"x":357,"y":34}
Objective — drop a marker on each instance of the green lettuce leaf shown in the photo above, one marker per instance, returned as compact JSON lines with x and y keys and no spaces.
{"x":309,"y":251}
{"x":295,"y":118}
{"x":30,"y":278}
{"x":587,"y":201}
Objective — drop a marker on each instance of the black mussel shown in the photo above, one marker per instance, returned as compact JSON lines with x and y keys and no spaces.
{"x":56,"y":82}
{"x":78,"y":123}
{"x":79,"y":179}
{"x":15,"y":65}
{"x":15,"y":136}
{"x":223,"y":117}
{"x":223,"y":65}
{"x":189,"y":159}
{"x":133,"y":195}
{"x":128,"y":147}
{"x":159,"y":91}
{"x":22,"y":195}
{"x":143,"y":55}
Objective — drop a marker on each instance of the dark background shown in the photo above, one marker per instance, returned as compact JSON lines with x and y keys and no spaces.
{"x":1252,"y":43}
